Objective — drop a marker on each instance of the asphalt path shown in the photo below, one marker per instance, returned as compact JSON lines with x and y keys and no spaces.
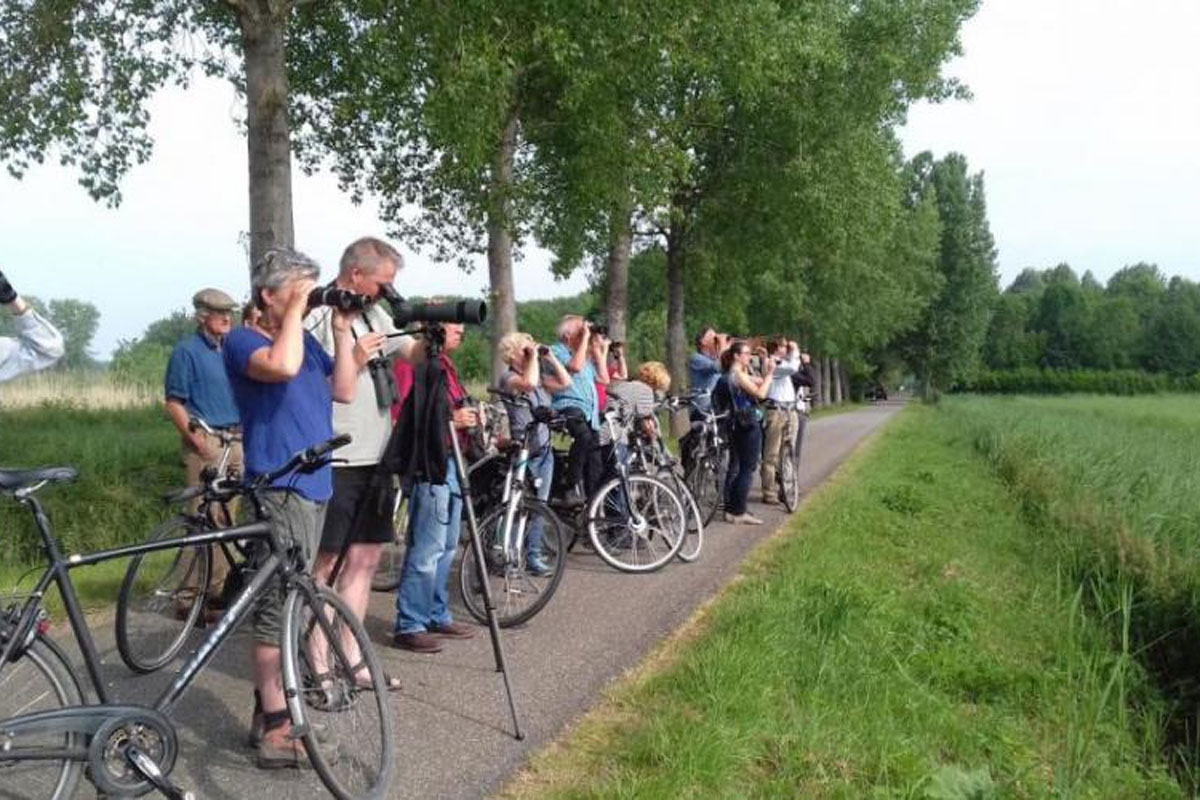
{"x":454,"y":731}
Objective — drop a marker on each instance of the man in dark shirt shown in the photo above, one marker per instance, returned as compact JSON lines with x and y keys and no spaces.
{"x":197,"y":385}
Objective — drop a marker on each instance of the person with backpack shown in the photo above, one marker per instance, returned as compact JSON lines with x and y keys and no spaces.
{"x":739,"y":391}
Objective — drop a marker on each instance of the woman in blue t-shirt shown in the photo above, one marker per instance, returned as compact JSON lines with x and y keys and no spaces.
{"x":284,"y":384}
{"x":743,"y":392}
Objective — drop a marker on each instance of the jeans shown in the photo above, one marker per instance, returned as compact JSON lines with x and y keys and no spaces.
{"x":541,"y":467}
{"x":745,"y":447}
{"x":435,"y":519}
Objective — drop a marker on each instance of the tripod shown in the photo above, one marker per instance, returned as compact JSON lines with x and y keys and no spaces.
{"x":404,"y":456}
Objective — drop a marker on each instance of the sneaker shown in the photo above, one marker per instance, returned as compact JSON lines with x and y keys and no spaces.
{"x":419,"y":642}
{"x":749,"y":519}
{"x":453,"y":630}
{"x":278,"y":750}
{"x":730,"y":518}
{"x":535,"y":565}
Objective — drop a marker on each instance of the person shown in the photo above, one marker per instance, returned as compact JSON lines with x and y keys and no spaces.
{"x":285,"y":384}
{"x":704,"y":365}
{"x":37,"y":345}
{"x":423,"y":616}
{"x":359,"y":516}
{"x":780,"y":423}
{"x":804,"y":382}
{"x":586,"y":359}
{"x":618,"y":370}
{"x":196,"y":386}
{"x":738,"y":391}
{"x":534,"y":378}
{"x":637,"y":395}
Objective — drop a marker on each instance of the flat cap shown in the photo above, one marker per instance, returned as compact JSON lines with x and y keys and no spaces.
{"x":214,"y":300}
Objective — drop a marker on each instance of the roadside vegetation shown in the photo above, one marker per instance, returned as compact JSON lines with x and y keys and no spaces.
{"x":915,"y":633}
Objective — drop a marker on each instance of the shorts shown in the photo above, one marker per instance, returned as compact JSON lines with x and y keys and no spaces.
{"x":360,"y":505}
{"x":297,"y":522}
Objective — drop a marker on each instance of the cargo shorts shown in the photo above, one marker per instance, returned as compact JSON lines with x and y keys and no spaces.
{"x":298,"y":522}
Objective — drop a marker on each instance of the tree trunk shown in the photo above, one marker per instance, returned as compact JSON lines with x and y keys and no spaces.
{"x":835,"y":374}
{"x":826,"y":395}
{"x":676,"y":331}
{"x":502,"y":314}
{"x":616,"y":267}
{"x":845,"y":383}
{"x":268,"y":139}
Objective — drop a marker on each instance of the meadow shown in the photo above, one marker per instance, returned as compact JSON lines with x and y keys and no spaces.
{"x":996,"y":598}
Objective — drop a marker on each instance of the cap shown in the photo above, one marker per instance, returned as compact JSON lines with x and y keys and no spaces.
{"x":214,"y":300}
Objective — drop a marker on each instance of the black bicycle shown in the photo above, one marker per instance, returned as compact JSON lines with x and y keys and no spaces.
{"x":49,"y":730}
{"x":706,"y":456}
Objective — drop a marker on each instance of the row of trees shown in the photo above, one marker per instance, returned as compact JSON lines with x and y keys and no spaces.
{"x":731,"y":162}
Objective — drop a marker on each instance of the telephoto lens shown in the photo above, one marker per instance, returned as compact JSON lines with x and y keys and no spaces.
{"x":466,"y":312}
{"x":341,"y":299}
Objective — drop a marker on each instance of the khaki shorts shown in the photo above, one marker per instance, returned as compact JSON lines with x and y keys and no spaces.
{"x":298,"y":522}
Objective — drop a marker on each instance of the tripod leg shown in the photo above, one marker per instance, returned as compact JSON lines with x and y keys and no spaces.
{"x":464,"y":483}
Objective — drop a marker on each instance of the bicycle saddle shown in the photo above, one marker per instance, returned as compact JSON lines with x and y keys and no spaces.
{"x":12,"y":480}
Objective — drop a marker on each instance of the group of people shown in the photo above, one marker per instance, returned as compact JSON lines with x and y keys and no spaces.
{"x":757,"y":382}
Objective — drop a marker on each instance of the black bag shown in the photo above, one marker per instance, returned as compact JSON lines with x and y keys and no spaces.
{"x":745,"y":418}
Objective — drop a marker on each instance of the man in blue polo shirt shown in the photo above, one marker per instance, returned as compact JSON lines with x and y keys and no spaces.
{"x":586,"y":358}
{"x":197,"y":385}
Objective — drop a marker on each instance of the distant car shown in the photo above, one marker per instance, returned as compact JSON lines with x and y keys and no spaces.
{"x":876,"y":391}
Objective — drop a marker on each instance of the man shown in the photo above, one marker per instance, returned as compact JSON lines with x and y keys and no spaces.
{"x":586,"y":359}
{"x":38,"y":344}
{"x":780,"y":422}
{"x":196,"y":385}
{"x":704,"y":365}
{"x":285,"y":384}
{"x":423,"y":616}
{"x":359,"y":516}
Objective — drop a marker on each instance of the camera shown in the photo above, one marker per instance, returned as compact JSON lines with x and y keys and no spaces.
{"x":616,"y":346}
{"x":543,"y":351}
{"x":468,"y":312}
{"x":341,"y":299}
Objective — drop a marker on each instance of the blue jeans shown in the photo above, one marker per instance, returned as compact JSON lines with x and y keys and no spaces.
{"x":435,"y":518}
{"x":541,"y":466}
{"x":745,"y":449}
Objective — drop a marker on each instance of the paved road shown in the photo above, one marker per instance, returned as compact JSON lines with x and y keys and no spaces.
{"x":454,"y":730}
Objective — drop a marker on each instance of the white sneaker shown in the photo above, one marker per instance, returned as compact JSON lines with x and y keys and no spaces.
{"x":750,"y":519}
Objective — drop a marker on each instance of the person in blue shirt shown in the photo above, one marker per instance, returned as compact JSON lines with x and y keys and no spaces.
{"x":704,"y":365}
{"x":196,"y":386}
{"x":285,"y":384}
{"x":586,"y":358}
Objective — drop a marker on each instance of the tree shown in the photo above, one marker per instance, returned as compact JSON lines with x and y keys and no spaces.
{"x":76,"y":77}
{"x":947,"y":344}
{"x":78,"y":321}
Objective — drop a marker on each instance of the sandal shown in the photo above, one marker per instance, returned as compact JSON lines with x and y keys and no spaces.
{"x":390,"y":683}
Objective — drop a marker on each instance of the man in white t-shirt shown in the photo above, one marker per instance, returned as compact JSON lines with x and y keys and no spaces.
{"x":360,"y":511}
{"x":37,"y":345}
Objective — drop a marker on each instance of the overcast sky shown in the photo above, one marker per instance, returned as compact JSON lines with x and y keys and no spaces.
{"x":1085,"y":121}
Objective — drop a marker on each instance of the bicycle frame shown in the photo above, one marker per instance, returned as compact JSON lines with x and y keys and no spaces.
{"x":85,"y":718}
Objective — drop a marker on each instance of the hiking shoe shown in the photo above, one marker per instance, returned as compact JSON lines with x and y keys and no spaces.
{"x":279,"y":750}
{"x":536,"y":565}
{"x":419,"y":642}
{"x":452,"y":630}
{"x":770,"y":498}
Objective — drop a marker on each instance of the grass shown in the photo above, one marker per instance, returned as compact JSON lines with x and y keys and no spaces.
{"x":79,"y":389}
{"x":908,"y":637}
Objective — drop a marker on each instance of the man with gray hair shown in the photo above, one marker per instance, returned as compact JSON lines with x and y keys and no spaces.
{"x":586,"y":359}
{"x":285,"y":385}
{"x":359,"y":517}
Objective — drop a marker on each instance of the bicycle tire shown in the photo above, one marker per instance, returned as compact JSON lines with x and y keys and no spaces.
{"x":618,"y":538}
{"x":693,"y":541}
{"x":788,"y":478}
{"x":513,"y":581}
{"x":347,"y":727}
{"x":391,"y":560}
{"x":707,"y":487}
{"x":42,"y":672}
{"x":157,"y":608}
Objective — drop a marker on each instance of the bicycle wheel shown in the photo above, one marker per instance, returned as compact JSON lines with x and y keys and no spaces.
{"x":387,"y":575}
{"x":337,"y":695}
{"x":707,"y":488}
{"x":161,"y":598}
{"x":694,"y":539}
{"x":788,"y":478}
{"x":639,"y":531}
{"x":40,"y":680}
{"x":517,"y":592}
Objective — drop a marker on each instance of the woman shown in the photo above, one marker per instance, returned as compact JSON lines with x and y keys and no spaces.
{"x":742,"y":392}
{"x":534,"y":378}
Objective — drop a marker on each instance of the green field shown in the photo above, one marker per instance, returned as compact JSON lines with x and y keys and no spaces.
{"x":993,"y":600}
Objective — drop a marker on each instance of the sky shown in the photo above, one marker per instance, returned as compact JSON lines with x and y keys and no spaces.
{"x":1084,"y":120}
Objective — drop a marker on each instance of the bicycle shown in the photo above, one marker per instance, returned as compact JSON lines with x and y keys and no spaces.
{"x":511,"y":517}
{"x":129,"y":749}
{"x":634,"y":522}
{"x":787,"y":470}
{"x":707,"y":457}
{"x":651,"y":457}
{"x":163,"y":593}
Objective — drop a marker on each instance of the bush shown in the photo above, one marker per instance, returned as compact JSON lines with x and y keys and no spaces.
{"x":1031,"y":380}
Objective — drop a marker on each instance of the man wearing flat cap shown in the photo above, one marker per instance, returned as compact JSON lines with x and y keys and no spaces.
{"x":197,"y":386}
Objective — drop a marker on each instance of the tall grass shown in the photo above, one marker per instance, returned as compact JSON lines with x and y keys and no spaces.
{"x":92,"y":389}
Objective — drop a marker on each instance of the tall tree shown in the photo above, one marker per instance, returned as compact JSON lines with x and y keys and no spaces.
{"x":78,"y":321}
